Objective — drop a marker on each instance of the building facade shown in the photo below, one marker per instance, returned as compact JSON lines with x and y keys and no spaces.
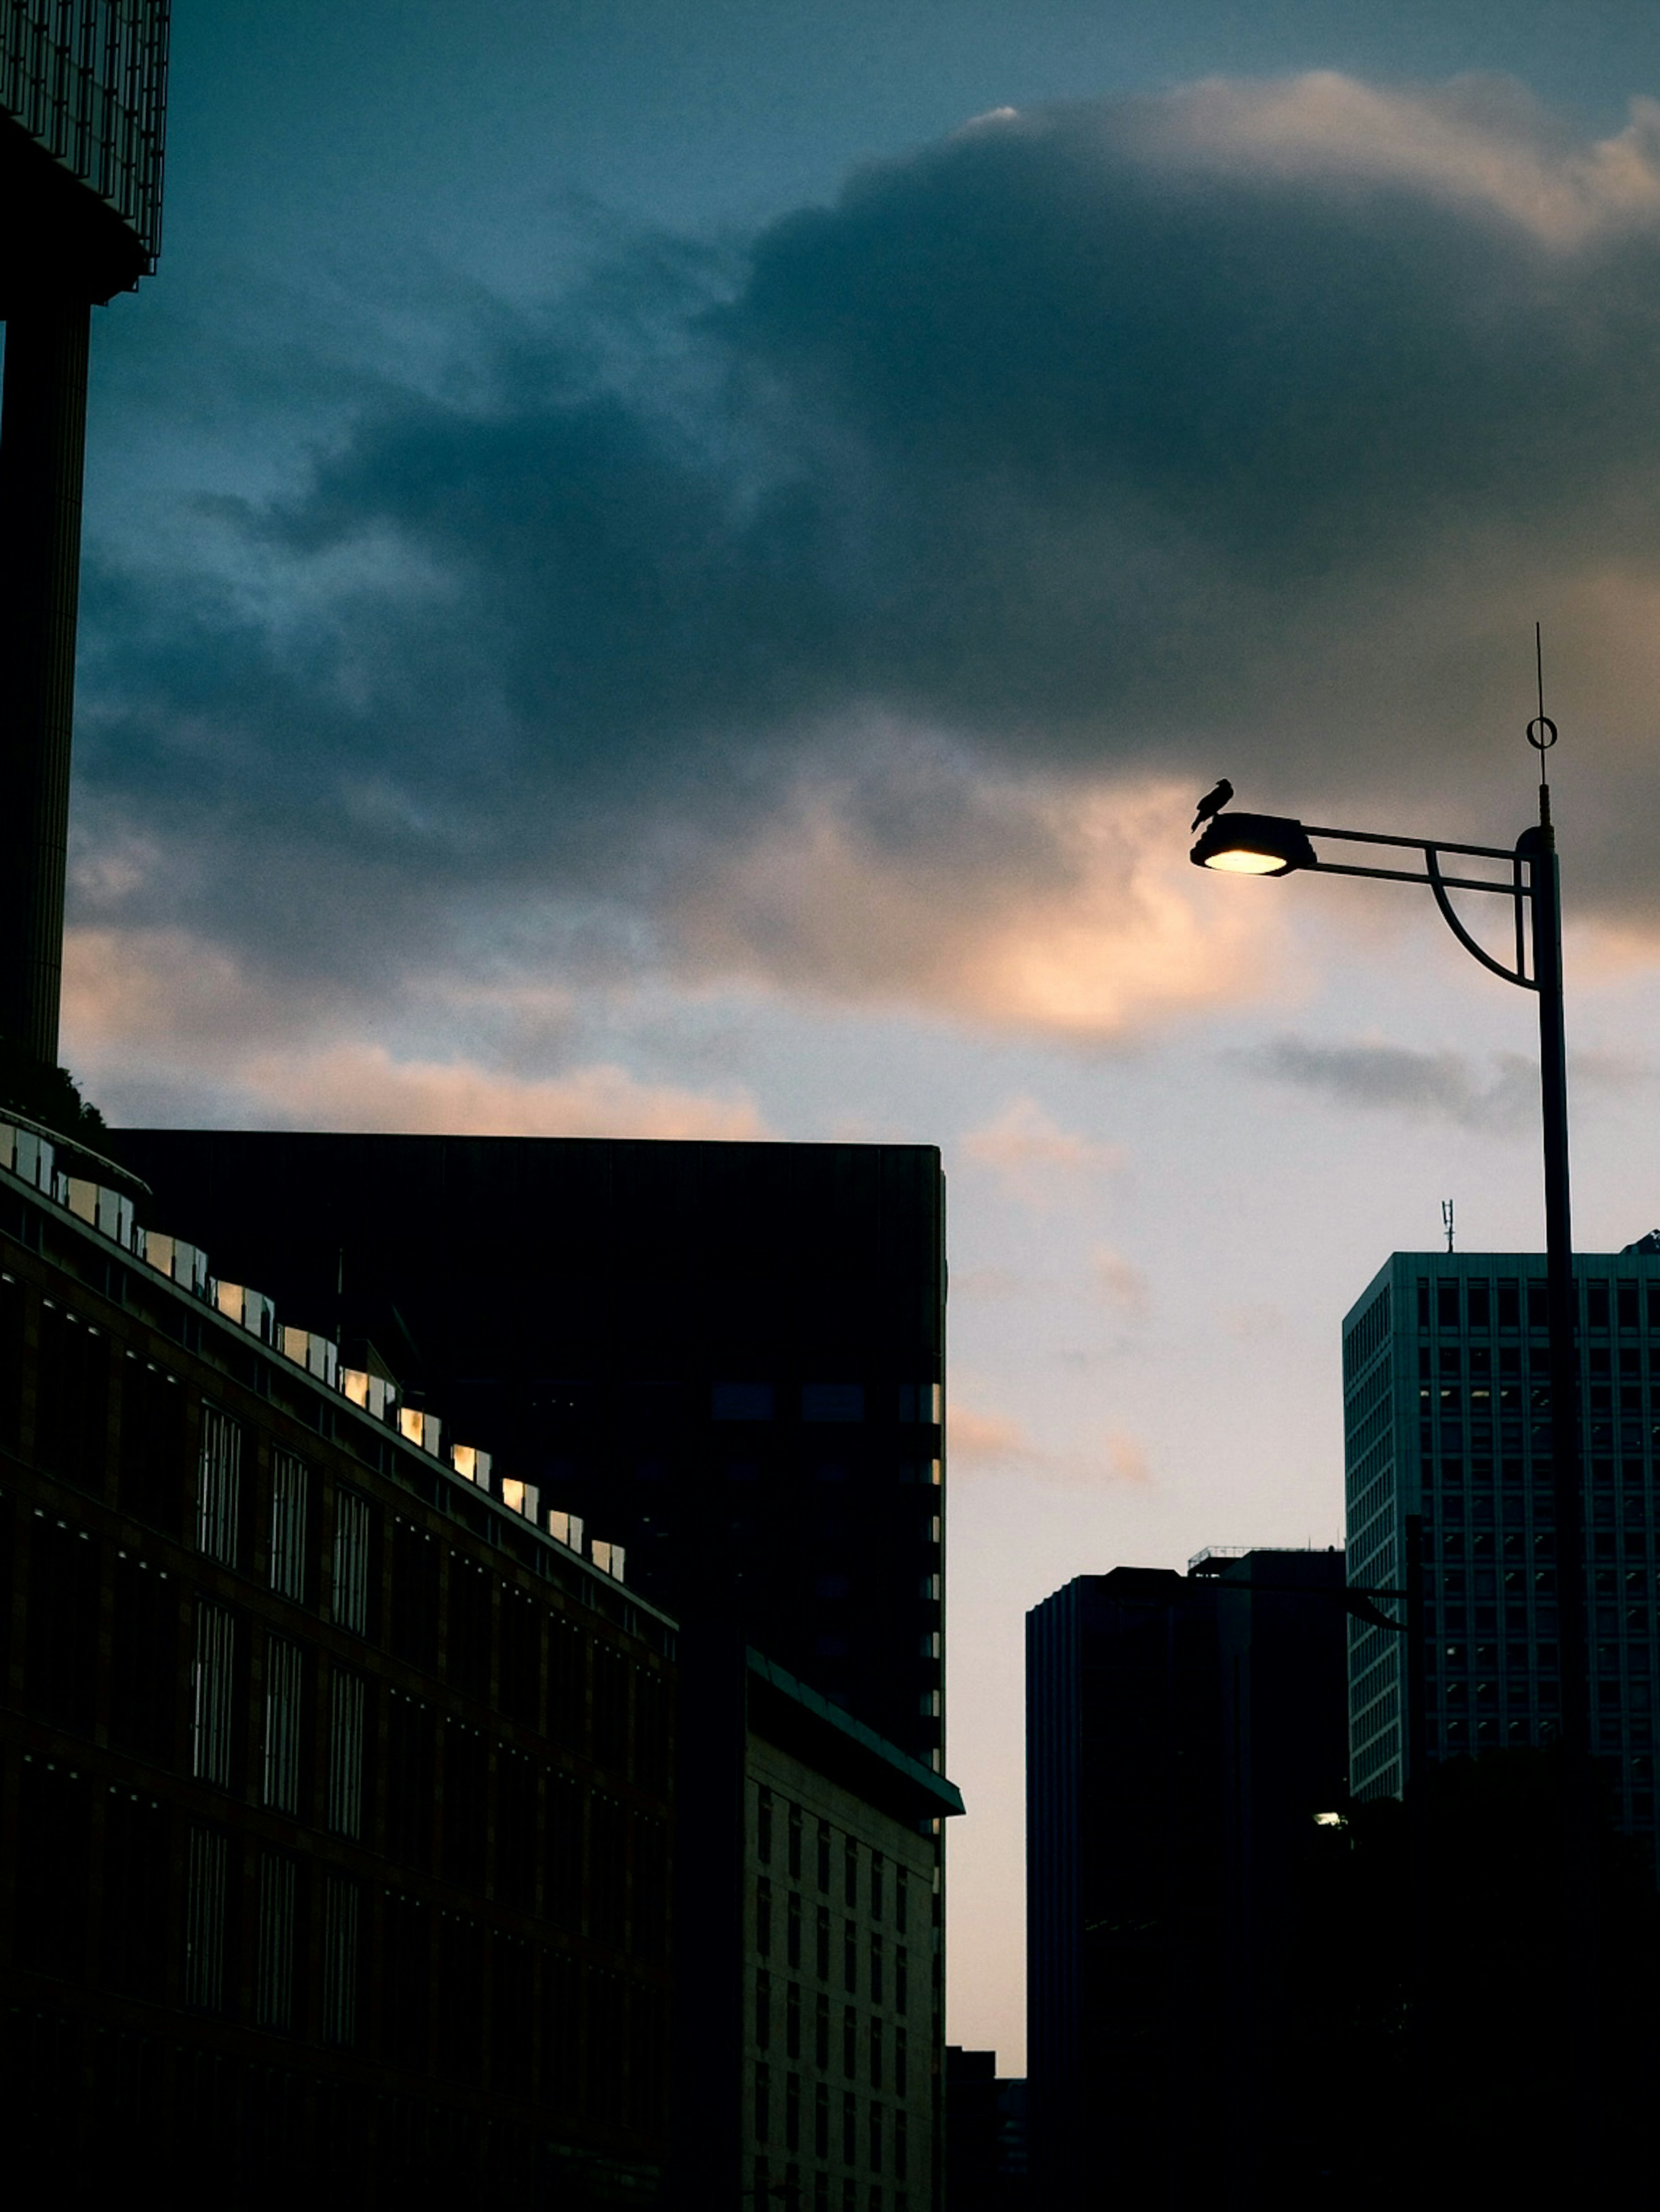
{"x":842,"y":2105}
{"x":1449,"y":1494}
{"x":337,"y":1795}
{"x":1183,"y":1733}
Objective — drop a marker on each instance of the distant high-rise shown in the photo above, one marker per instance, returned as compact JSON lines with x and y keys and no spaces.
{"x":82,"y":100}
{"x":1449,"y":1439}
{"x":1182,"y":1733}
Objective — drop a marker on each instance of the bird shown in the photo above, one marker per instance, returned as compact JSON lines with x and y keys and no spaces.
{"x":1213,"y":802}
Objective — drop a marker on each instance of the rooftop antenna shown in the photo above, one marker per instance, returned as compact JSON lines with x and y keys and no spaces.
{"x":1542,"y":732}
{"x":1447,"y":1220}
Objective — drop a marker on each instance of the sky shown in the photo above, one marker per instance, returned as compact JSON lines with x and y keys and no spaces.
{"x":679,"y":570}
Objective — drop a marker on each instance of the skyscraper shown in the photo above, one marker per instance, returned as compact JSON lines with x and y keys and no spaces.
{"x":82,"y":101}
{"x":1448,"y":1462}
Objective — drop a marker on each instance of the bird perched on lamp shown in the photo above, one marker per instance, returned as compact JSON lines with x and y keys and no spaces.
{"x":1213,"y":802}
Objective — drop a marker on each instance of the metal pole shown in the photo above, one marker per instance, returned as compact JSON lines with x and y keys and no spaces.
{"x":1581,"y":1929}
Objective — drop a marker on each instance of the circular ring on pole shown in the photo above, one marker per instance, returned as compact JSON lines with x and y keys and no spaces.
{"x":1543,"y":744}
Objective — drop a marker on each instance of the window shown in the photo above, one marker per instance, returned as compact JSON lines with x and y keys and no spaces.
{"x":901,"y":1889}
{"x":763,"y":1917}
{"x":901,"y":2148}
{"x":901,"y":1980}
{"x":741,"y":1402}
{"x":289,"y":1486}
{"x":875,"y":2137}
{"x":792,"y":2021}
{"x":821,"y":2121}
{"x":763,"y":2008}
{"x":340,"y":1929}
{"x":204,"y":1920}
{"x":345,"y":1753}
{"x":764,"y":1826}
{"x":824,"y":1869}
{"x":851,"y":1872}
{"x":792,"y":2111}
{"x":876,"y":2054}
{"x":877,"y":1868}
{"x":821,"y":2033}
{"x":283,"y":1676}
{"x":821,"y":1959}
{"x":833,"y":1402}
{"x":211,"y":1684}
{"x":876,"y":1970}
{"x":849,"y":1957}
{"x":763,"y":2101}
{"x":795,"y":1843}
{"x":273,"y":1991}
{"x":351,"y":1562}
{"x":793,"y":1932}
{"x":218,"y":1486}
{"x":850,"y":2040}
{"x":899,"y":2059}
{"x":849,"y":2128}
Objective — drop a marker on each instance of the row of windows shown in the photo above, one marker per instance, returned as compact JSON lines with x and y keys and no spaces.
{"x":1483,"y":1306}
{"x":825,"y":1402}
{"x":882,"y":2144}
{"x":770,"y":2186}
{"x":595,"y":1700}
{"x":880,"y":1882}
{"x":782,"y":2013}
{"x":119,"y":1897}
{"x":1451,"y":1363}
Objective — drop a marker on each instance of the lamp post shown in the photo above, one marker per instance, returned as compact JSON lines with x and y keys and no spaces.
{"x":1273,"y":845}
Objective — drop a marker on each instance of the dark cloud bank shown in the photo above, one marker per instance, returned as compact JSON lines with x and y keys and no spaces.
{"x":1243,"y":430}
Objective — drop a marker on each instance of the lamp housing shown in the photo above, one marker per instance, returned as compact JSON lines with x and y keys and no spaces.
{"x":1254,"y":845}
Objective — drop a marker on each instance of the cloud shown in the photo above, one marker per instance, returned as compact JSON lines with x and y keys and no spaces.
{"x":1122,"y":1283}
{"x":854,"y":615}
{"x":165,"y":1028}
{"x":1126,"y":1459}
{"x":979,"y":1440}
{"x":1033,"y":1156}
{"x":1394,"y":1079}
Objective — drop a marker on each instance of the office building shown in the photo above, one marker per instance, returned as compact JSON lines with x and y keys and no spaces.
{"x":810,"y":1981}
{"x":336,"y":1793}
{"x":730,"y":1356}
{"x":1183,"y":1733}
{"x":82,"y":100}
{"x":1448,"y":1459}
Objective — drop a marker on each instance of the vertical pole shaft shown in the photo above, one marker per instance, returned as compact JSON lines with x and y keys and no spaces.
{"x":43,"y":418}
{"x":1581,"y":1929}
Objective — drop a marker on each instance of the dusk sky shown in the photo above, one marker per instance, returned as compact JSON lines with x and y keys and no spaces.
{"x":677,"y":568}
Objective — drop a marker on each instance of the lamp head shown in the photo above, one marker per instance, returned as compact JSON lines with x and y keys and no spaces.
{"x":1254,"y":845}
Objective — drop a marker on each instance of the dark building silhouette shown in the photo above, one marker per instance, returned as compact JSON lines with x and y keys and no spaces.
{"x":985,"y":2145}
{"x":729,"y":1356}
{"x":336,"y":1796}
{"x":1183,"y":1732}
{"x":82,"y":96}
{"x":1448,"y":1470}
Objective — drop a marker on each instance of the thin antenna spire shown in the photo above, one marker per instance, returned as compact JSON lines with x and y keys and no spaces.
{"x":1542,"y":732}
{"x":1447,"y":1220}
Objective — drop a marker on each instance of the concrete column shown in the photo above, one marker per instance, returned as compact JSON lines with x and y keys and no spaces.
{"x":43,"y":427}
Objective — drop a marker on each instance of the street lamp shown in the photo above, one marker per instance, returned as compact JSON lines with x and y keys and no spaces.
{"x":1277,"y":845}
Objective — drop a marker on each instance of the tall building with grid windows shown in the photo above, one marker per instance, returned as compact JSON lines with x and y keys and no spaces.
{"x":1448,"y":1482}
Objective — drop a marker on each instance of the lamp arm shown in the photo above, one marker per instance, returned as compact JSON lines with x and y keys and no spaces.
{"x":1477,"y":952}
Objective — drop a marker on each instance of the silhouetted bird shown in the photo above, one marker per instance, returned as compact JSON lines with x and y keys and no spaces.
{"x":1213,"y":803}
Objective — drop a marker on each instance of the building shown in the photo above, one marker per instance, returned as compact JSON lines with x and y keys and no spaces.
{"x":729,"y":1356}
{"x":986,"y":2157}
{"x":83,"y":102}
{"x":1183,"y":1733}
{"x":336,"y":1793}
{"x":811,"y":1907}
{"x":1446,"y":1397}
